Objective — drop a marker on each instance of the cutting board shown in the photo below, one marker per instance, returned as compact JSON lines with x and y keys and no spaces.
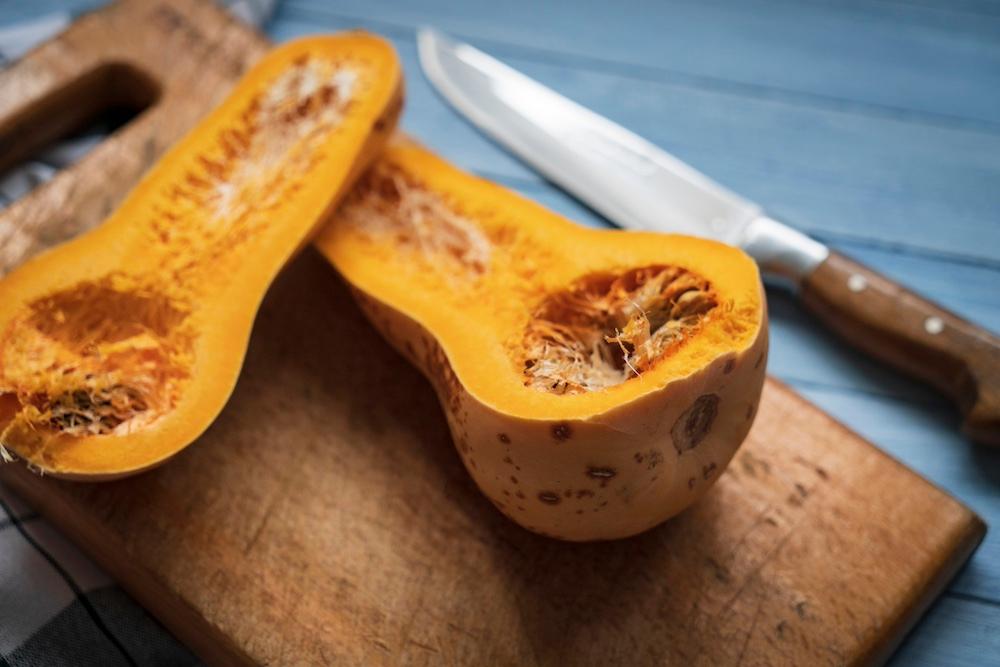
{"x":326,"y":518}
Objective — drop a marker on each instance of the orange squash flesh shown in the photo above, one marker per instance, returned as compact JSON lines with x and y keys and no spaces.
{"x":119,"y":348}
{"x":595,"y":382}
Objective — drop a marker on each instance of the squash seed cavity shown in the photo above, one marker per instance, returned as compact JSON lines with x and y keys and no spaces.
{"x":231,"y":191}
{"x":386,"y":203}
{"x":608,"y":328}
{"x":101,"y":358}
{"x":109,"y":356}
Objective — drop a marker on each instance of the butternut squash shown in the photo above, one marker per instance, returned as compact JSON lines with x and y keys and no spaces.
{"x":596,"y":382}
{"x":120,"y":347}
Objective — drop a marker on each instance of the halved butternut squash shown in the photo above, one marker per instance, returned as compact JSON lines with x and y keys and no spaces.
{"x":596,"y":382}
{"x":119,"y":348}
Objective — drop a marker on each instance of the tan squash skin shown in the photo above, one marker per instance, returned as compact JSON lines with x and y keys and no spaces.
{"x":613,"y":471}
{"x":608,"y":477}
{"x":119,"y":348}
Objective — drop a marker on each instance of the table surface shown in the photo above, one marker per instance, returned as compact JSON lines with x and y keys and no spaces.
{"x":874,"y":126}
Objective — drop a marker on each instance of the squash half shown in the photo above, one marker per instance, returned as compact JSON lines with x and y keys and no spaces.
{"x":596,"y":382}
{"x":120,"y":347}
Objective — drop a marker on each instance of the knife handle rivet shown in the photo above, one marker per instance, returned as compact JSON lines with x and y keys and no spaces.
{"x":857,"y":282}
{"x":933,"y":325}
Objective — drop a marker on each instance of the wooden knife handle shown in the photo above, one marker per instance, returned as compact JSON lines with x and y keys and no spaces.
{"x":911,"y":333}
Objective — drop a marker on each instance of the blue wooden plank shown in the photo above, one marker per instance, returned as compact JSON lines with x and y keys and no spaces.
{"x":956,"y":633}
{"x":977,"y":7}
{"x":13,"y":11}
{"x":875,"y":57}
{"x":827,"y":172}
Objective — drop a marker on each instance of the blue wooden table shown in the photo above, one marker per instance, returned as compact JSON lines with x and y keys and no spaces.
{"x":874,"y":126}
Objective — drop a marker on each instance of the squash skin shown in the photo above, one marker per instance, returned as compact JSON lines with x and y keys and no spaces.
{"x":221,"y":313}
{"x":608,"y":477}
{"x":602,"y":476}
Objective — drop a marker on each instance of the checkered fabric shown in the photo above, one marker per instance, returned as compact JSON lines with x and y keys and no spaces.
{"x":56,"y":606}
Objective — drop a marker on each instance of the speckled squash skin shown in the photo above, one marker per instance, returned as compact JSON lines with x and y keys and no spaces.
{"x":608,"y":477}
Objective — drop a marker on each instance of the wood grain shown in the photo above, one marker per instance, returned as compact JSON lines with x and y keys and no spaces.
{"x":325,"y":516}
{"x":895,"y":325}
{"x":189,"y":50}
{"x":810,"y":54}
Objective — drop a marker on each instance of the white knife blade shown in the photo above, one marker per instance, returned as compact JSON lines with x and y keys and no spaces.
{"x":630,"y":181}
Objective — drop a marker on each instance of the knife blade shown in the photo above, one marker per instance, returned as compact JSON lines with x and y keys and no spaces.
{"x":639,"y":186}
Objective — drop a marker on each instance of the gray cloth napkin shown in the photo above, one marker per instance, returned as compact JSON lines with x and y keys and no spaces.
{"x":56,"y":606}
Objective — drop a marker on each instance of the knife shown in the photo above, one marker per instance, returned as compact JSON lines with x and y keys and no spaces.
{"x":639,"y":186}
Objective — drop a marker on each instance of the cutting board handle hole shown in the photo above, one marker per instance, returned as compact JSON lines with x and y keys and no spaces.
{"x":82,"y":110}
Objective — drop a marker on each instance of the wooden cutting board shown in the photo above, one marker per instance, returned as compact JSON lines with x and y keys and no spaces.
{"x":325,"y":517}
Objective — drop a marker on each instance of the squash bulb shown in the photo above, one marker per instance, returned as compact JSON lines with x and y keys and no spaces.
{"x":120,"y":347}
{"x":595,"y":382}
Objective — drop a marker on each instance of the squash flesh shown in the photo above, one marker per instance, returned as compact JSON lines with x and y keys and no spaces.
{"x":477,"y":287}
{"x":481,"y":277}
{"x":118,"y":348}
